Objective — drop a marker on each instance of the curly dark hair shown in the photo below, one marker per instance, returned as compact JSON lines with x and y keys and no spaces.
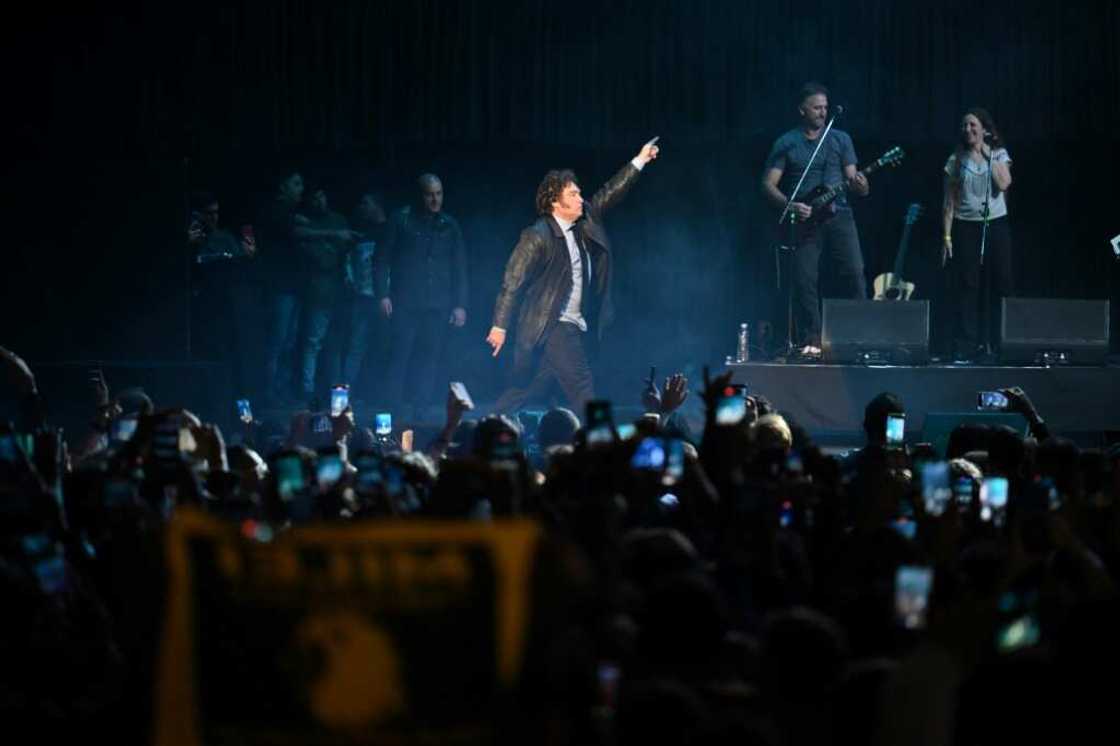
{"x":551,"y":187}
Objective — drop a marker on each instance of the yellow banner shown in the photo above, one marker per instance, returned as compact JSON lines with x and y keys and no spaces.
{"x":397,"y":632}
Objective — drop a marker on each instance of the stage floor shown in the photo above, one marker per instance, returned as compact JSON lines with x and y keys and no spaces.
{"x":828,"y":400}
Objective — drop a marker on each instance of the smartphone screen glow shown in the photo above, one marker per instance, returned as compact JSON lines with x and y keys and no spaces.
{"x":911,"y":595}
{"x":993,"y":492}
{"x":731,"y":410}
{"x":340,"y":400}
{"x":383,"y":423}
{"x":896,"y":428}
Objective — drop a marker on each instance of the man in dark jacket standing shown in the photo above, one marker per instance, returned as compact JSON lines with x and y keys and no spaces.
{"x":421,"y":279}
{"x":559,"y":274}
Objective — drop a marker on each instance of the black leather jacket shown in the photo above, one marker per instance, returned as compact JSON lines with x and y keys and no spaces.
{"x":538,"y":275}
{"x":422,"y":263}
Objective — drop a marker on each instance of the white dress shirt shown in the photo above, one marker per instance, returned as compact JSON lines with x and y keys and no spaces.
{"x":571,"y":313}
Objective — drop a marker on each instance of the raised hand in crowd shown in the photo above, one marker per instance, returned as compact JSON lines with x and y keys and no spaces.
{"x":713,"y":389}
{"x":342,"y":425}
{"x":674,"y":394}
{"x":667,"y":400}
{"x":1018,"y":401}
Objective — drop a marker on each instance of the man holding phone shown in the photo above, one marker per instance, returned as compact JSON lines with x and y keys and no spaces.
{"x":557,"y":281}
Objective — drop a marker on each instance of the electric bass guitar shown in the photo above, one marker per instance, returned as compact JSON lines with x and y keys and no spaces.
{"x":890,"y":285}
{"x":822,"y":198}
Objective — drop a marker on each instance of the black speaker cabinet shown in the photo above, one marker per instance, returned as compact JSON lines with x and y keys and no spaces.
{"x":1054,"y":331}
{"x":875,"y":332}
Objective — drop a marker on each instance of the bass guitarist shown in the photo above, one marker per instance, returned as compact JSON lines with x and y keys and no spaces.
{"x":831,"y":237}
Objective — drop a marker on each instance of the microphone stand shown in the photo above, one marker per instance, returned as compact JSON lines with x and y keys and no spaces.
{"x":985,"y":291}
{"x":791,"y":245}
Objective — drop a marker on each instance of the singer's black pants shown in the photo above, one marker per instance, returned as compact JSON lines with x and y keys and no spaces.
{"x":975,"y":289}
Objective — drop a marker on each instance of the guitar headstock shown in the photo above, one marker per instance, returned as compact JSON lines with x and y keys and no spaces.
{"x":913,"y":212}
{"x":892,"y":157}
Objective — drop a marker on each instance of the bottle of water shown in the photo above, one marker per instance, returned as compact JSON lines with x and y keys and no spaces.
{"x":742,"y":351}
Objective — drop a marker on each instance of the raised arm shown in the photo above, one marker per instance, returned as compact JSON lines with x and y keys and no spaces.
{"x":611,"y":193}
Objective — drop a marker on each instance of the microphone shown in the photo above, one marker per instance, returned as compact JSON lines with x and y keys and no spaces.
{"x":838,"y":111}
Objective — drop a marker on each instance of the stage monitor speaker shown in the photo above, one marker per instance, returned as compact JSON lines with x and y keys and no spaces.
{"x":874,"y":332}
{"x":1054,"y":331}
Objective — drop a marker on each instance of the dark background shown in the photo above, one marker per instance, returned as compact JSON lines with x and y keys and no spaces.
{"x":114,"y":115}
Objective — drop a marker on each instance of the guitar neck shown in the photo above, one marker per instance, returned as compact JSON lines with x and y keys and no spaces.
{"x":903,"y":245}
{"x":836,"y":190}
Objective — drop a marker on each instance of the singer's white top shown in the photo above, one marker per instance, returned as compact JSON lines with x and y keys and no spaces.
{"x":975,"y":180}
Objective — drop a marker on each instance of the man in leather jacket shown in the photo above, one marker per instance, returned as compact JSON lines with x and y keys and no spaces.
{"x":557,"y":282}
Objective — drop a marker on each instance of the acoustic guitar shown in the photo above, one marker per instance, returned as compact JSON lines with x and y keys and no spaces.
{"x":891,"y":285}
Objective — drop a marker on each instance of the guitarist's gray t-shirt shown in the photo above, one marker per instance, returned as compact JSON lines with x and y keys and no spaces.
{"x":791,"y":154}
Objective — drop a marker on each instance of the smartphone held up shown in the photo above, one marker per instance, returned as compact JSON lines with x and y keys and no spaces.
{"x":340,"y":399}
{"x":992,"y":401}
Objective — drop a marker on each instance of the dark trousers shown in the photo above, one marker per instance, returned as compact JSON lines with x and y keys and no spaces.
{"x":416,"y":339}
{"x":316,"y":326}
{"x":835,"y":243}
{"x":283,"y":324}
{"x":225,"y":319}
{"x":344,"y":349}
{"x":363,"y":315}
{"x":562,"y":359}
{"x":976,"y":290}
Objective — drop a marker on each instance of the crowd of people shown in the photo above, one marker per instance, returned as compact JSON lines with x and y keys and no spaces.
{"x":318,"y":282}
{"x":716,"y":581}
